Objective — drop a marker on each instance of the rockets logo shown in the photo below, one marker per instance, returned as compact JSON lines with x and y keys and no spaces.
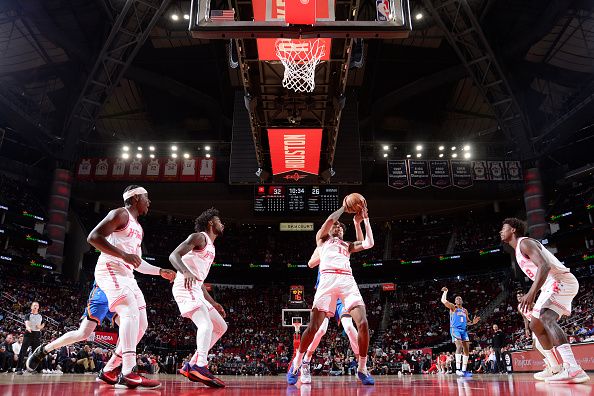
{"x":294,"y":176}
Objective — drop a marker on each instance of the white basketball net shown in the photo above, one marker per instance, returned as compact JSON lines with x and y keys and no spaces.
{"x":300,"y":58}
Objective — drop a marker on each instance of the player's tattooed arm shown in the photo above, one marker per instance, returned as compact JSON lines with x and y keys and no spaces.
{"x":322,"y":234}
{"x":195,"y":240}
{"x":212,"y":302}
{"x":532,"y":250}
{"x":474,"y":321}
{"x":115,"y":220}
{"x":444,"y":299}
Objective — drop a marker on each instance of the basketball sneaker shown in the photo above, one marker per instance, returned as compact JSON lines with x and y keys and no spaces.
{"x":36,"y":358}
{"x":133,"y":381}
{"x":305,"y":373}
{"x":546,"y":373}
{"x":203,"y":374}
{"x":466,"y":374}
{"x":292,"y":377}
{"x":569,"y":375}
{"x":366,"y":378}
{"x":110,"y":377}
{"x":459,"y":373}
{"x":185,"y":371}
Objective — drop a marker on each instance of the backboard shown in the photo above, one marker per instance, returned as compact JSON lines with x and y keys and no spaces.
{"x":265,"y":19}
{"x":291,"y":316}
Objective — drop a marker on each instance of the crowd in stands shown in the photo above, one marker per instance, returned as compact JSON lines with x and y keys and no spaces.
{"x":20,"y":195}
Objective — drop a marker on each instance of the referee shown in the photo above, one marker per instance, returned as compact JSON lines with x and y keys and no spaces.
{"x":32,"y":338}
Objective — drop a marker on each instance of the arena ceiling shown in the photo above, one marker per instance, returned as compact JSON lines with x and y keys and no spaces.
{"x":177,"y":88}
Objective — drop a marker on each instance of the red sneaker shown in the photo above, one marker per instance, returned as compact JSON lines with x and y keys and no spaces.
{"x":110,"y":377}
{"x":133,"y":380}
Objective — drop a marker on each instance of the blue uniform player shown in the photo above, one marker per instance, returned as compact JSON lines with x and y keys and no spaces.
{"x":342,"y":318}
{"x":458,"y":324}
{"x":95,"y":312}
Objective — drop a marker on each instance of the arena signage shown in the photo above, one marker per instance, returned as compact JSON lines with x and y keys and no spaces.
{"x":105,"y":337}
{"x":295,"y":150}
{"x":531,"y":360}
{"x":296,"y":226}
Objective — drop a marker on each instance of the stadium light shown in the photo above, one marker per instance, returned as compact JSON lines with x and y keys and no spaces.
{"x":138,"y":155}
{"x":466,"y":147}
{"x":419,"y":147}
{"x":419,"y":155}
{"x":385,"y":155}
{"x":152,"y":148}
{"x":126,"y":148}
{"x":152,"y":155}
{"x":466,"y":155}
{"x":441,"y":148}
{"x":186,"y":17}
{"x":174,"y":17}
{"x":207,"y":155}
{"x":174,"y":148}
{"x":419,"y":16}
{"x":139,"y":148}
{"x":173,"y":155}
{"x":453,"y":148}
{"x":386,"y":147}
{"x":441,"y":155}
{"x":408,"y":155}
{"x":125,"y":156}
{"x":454,"y":155}
{"x":186,"y":155}
{"x":207,"y":148}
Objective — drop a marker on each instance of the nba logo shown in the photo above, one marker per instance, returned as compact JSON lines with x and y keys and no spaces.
{"x":383,"y":10}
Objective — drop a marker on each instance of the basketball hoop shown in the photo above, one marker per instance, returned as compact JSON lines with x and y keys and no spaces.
{"x":297,"y":326}
{"x":300,"y":58}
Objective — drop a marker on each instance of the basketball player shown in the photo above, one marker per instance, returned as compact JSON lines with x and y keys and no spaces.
{"x":96,"y":311}
{"x":458,"y":323}
{"x":551,"y":368}
{"x":341,"y":317}
{"x":557,"y":286}
{"x":119,"y":237}
{"x":192,"y":259}
{"x":336,"y":281}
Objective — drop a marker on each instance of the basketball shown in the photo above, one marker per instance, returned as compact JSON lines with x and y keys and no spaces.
{"x":354,"y":203}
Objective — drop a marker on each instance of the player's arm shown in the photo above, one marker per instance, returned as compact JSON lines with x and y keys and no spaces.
{"x":444,"y":299}
{"x":526,"y":323}
{"x":322,"y":233}
{"x":366,"y":243}
{"x":532,"y":250}
{"x":314,"y":259}
{"x":195,"y":240}
{"x":115,"y":220}
{"x":212,"y":302}
{"x":149,"y":269}
{"x":357,"y":222}
{"x":474,"y":321}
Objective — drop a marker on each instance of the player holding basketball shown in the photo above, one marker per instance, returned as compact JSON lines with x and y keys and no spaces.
{"x":192,"y":259}
{"x":458,"y":324}
{"x":336,"y":281}
{"x":557,"y":286}
{"x":342,"y":318}
{"x":119,"y":237}
{"x":551,"y":368}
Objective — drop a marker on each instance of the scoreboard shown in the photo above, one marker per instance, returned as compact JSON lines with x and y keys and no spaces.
{"x":296,"y":199}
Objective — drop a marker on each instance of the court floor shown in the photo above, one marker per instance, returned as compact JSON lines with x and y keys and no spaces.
{"x":426,"y":385}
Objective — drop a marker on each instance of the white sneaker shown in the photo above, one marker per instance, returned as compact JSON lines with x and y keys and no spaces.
{"x":459,"y":373}
{"x":569,"y":375}
{"x":548,"y":372}
{"x":305,"y":373}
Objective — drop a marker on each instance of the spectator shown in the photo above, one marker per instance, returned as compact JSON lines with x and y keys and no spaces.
{"x":6,"y":354}
{"x":84,"y":360}
{"x":498,"y":342}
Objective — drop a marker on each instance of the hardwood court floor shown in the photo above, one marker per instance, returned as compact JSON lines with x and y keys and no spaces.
{"x":426,"y":385}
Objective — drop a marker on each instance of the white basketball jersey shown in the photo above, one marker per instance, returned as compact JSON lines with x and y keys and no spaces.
{"x":529,"y":268}
{"x":199,"y":261}
{"x":335,"y":255}
{"x":128,"y":239}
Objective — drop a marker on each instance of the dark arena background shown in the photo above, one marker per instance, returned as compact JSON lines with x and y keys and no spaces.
{"x":448,"y":116}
